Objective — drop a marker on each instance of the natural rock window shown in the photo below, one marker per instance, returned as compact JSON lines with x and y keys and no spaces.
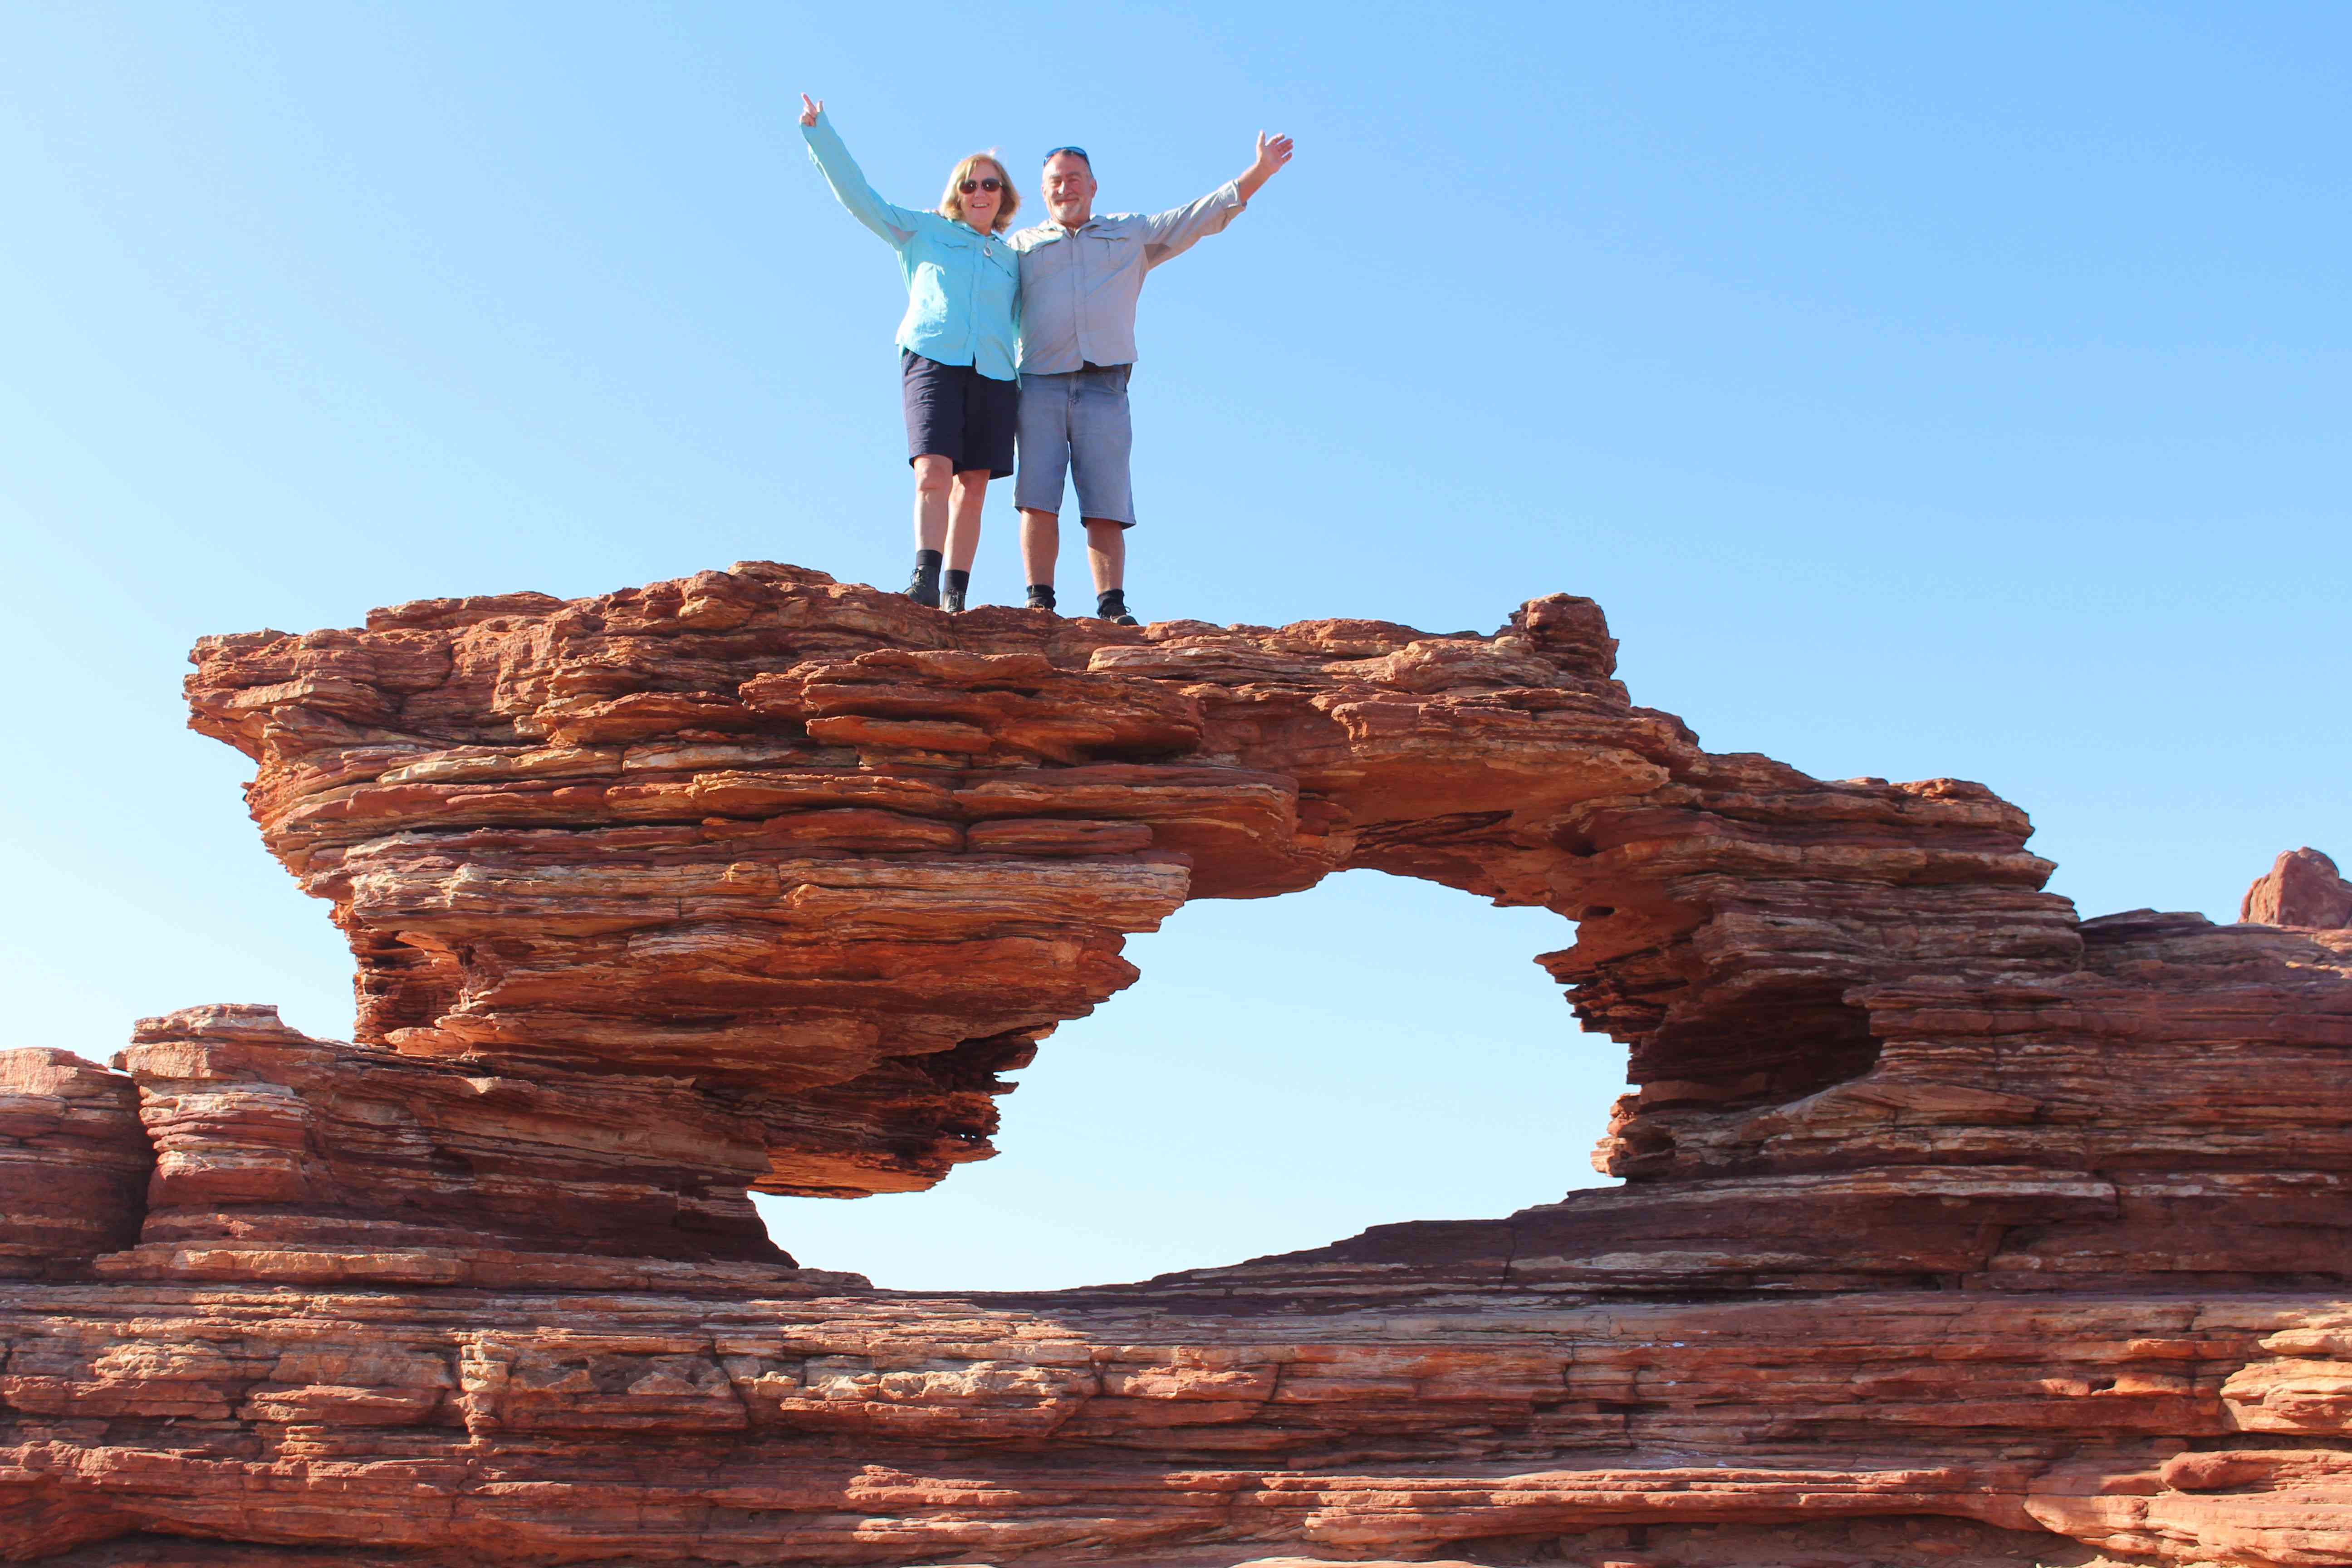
{"x":1285,"y":1070}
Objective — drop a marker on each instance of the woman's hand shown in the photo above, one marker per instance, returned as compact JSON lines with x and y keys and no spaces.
{"x":810,"y":108}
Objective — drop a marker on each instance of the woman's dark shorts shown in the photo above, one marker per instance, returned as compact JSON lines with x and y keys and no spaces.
{"x":960,"y":413}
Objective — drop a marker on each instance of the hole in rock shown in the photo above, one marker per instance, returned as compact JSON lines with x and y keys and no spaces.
{"x":1287,"y":1072}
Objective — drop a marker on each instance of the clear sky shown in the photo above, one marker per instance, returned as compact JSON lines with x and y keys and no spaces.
{"x":1924,"y":390}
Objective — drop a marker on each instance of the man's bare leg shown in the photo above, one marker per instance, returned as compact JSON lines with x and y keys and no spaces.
{"x":1041,"y":541}
{"x":1106,"y":553}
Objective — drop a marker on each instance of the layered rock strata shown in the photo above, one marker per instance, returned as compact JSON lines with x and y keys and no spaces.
{"x":280,"y":1157}
{"x":464,"y":1427}
{"x":1953,"y":1228}
{"x":73,"y":1163}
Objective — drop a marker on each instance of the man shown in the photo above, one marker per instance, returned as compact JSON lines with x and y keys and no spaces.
{"x":1080,"y":277}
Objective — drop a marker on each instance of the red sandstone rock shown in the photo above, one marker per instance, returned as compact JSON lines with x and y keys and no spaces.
{"x":285,"y":1158}
{"x":72,"y":1161}
{"x":2301,"y":890}
{"x":764,"y":827}
{"x":929,"y":1429}
{"x":1953,"y":1228}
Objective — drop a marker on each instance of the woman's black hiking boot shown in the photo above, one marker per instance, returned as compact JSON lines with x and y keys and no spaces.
{"x":924,"y":586}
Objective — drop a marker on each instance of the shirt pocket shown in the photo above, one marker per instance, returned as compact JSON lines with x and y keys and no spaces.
{"x":1049,"y":260}
{"x":996,"y":292}
{"x":936,"y":285}
{"x":1112,"y":249}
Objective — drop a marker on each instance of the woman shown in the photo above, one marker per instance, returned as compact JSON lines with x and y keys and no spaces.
{"x":956,"y":345}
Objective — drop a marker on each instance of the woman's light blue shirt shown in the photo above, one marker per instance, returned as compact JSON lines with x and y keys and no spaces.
{"x":964,"y":286}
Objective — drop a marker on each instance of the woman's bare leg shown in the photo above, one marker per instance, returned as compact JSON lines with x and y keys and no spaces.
{"x":965,"y":501}
{"x":932,"y":478}
{"x":970,"y":490}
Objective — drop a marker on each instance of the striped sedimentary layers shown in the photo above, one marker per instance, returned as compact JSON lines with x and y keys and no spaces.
{"x":466,"y":1427}
{"x":850,"y":858}
{"x":1948,"y":1220}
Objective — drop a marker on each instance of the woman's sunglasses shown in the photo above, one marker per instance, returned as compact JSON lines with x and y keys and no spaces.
{"x":970,"y":185}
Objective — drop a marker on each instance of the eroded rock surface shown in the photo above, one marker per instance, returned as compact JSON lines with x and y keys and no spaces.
{"x":73,"y":1160}
{"x":2303,"y":889}
{"x":1953,"y":1228}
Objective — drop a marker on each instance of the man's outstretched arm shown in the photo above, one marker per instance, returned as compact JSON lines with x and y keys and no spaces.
{"x":1179,"y":228}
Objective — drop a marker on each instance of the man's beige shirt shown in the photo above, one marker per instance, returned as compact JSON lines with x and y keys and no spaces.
{"x":1080,"y":287}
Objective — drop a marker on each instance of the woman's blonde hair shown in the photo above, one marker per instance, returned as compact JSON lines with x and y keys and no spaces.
{"x":1008,"y":200}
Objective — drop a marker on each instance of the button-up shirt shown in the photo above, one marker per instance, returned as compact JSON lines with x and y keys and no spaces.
{"x":1079,"y":287}
{"x":963,"y":298}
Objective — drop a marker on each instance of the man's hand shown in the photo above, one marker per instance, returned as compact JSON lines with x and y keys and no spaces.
{"x":1273,"y":153}
{"x":812,"y":107}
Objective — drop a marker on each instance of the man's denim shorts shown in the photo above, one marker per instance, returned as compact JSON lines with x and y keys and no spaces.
{"x":1075,"y":425}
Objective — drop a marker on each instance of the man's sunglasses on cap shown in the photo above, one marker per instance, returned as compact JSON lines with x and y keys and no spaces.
{"x":1073,"y":152}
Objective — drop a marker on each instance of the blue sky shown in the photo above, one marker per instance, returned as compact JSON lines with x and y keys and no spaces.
{"x":1924,"y":390}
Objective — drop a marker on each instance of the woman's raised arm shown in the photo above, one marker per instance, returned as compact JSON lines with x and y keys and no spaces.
{"x":895,"y":224}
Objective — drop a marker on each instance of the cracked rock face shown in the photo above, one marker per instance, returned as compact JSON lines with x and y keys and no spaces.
{"x":1954,"y":1228}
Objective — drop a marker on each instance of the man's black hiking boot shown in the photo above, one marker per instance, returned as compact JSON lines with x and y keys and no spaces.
{"x":1041,"y":595}
{"x":956,"y":586}
{"x":923,"y":587}
{"x":1111,"y":605}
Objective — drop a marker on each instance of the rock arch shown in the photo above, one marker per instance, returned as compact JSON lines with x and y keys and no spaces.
{"x":841,"y":861}
{"x":1939,"y":1201}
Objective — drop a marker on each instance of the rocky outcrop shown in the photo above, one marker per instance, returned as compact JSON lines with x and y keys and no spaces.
{"x":2301,"y":890}
{"x":284,"y":1158}
{"x":73,"y":1160}
{"x":1953,"y":1228}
